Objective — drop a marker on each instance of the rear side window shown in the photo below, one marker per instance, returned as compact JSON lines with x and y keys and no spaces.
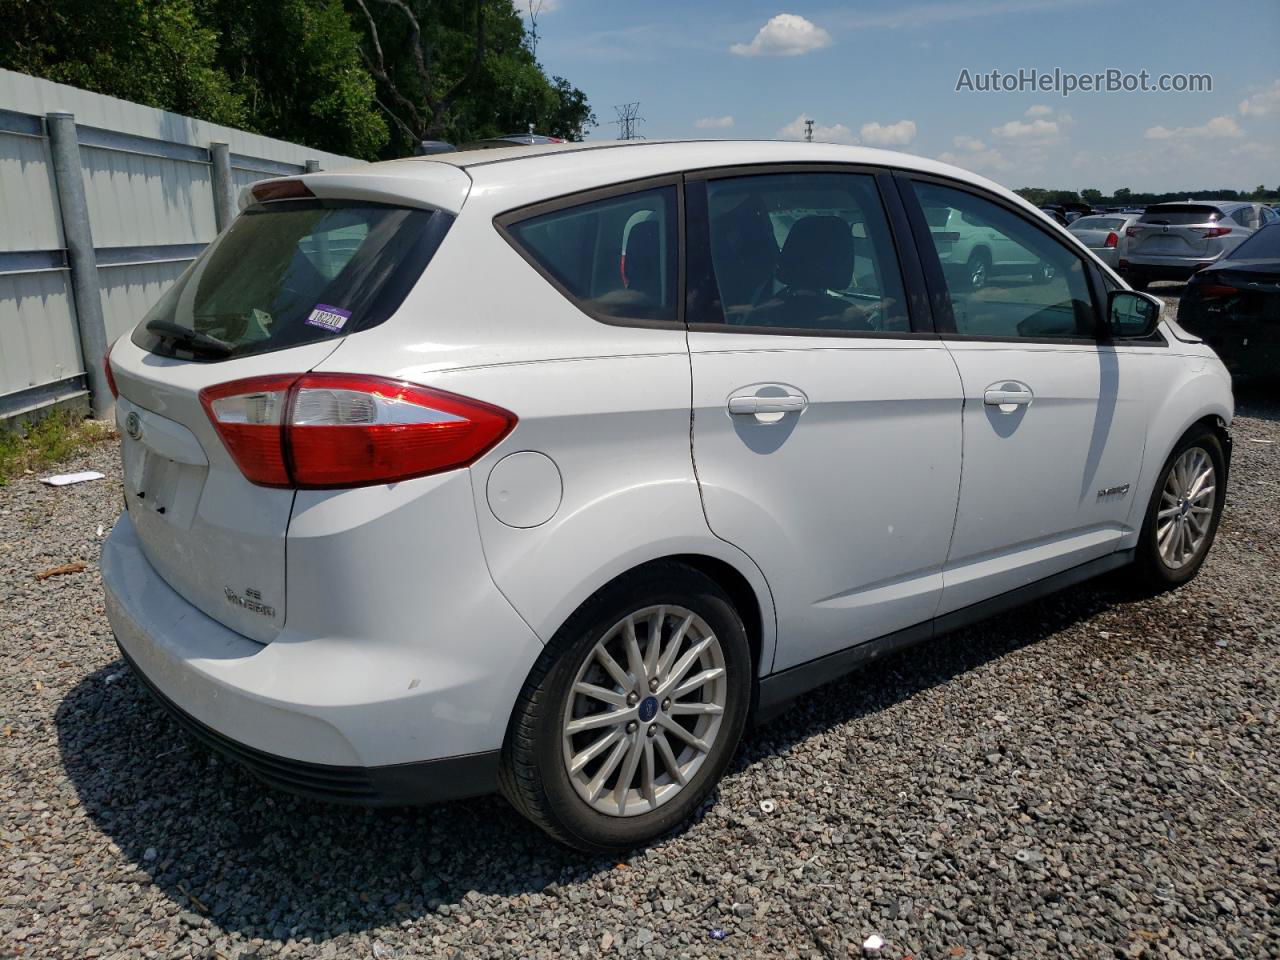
{"x":796,"y":252}
{"x":290,"y":273}
{"x":1178,"y":214}
{"x":615,"y":258}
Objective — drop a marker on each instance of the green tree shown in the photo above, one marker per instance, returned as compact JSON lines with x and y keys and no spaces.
{"x":1090,"y":195}
{"x":1123,"y":194}
{"x":154,"y":52}
{"x":463,"y":70}
{"x":297,"y":65}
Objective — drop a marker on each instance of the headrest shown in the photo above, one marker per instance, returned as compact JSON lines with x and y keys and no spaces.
{"x":818,"y":255}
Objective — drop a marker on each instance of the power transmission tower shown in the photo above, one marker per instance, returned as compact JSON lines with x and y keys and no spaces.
{"x":628,"y":115}
{"x":808,"y":130}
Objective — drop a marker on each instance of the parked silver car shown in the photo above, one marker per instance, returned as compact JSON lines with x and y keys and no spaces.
{"x":1105,"y":234}
{"x":1171,"y":241}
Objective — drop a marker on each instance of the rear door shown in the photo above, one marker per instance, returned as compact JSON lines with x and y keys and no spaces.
{"x":826,"y":417}
{"x":272,"y":295}
{"x":1054,"y":421}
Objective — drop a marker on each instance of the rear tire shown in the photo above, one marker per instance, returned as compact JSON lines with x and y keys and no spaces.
{"x":584,"y":803}
{"x":1182,"y":517}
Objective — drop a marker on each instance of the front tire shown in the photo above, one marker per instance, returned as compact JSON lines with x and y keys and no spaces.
{"x":632,"y":713}
{"x":1182,"y":517}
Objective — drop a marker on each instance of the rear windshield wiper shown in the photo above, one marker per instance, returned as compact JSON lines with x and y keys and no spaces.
{"x":193,"y":340}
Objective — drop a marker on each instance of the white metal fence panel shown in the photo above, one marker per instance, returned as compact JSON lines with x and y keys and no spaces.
{"x":150,"y":185}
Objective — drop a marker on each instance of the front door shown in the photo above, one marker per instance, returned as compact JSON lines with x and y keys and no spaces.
{"x":1054,"y":422}
{"x":826,"y":431}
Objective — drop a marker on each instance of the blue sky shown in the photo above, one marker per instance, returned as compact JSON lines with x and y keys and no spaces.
{"x":884,"y":73}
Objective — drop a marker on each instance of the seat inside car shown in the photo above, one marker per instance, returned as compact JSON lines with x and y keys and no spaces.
{"x":818,"y":256}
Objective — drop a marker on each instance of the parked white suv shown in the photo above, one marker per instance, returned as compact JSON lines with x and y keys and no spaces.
{"x":429,"y":493}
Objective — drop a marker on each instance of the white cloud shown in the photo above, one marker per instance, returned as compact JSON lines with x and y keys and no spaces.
{"x":1224,"y":126}
{"x":1262,"y":103}
{"x":1028,"y":131}
{"x":838,"y":133}
{"x":713,"y":123}
{"x":975,"y":155}
{"x":1039,"y":110}
{"x":786,"y":35}
{"x":889,"y":135}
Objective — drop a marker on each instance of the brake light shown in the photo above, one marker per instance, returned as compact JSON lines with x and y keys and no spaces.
{"x":1112,"y":240}
{"x":111,"y":377}
{"x":328,"y":430}
{"x":1132,"y":231}
{"x":1212,"y":291}
{"x":1123,"y":263}
{"x":280,"y":190}
{"x":1214,"y":231}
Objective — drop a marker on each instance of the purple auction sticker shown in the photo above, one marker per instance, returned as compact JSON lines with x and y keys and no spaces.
{"x":327,"y":317}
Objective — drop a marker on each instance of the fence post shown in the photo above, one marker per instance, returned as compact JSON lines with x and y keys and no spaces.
{"x":224,"y":191}
{"x":68,"y":177}
{"x":312,"y":166}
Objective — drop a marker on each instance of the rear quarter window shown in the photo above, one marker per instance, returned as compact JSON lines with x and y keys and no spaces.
{"x":615,"y":258}
{"x":293,"y":272}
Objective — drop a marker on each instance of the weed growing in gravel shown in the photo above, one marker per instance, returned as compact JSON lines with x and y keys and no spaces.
{"x":47,"y":441}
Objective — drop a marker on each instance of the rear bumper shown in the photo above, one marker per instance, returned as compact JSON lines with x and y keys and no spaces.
{"x":401,"y":784}
{"x":1165,"y":268}
{"x":370,"y":719}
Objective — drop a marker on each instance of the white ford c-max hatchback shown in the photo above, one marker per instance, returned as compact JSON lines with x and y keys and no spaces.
{"x":544,"y":469}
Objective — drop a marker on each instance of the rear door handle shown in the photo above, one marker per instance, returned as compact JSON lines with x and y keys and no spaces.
{"x":749,"y":406}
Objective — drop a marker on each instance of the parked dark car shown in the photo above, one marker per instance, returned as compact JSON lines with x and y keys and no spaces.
{"x":1234,"y":306}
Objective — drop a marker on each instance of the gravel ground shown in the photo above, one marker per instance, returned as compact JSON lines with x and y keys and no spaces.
{"x":1096,"y":775}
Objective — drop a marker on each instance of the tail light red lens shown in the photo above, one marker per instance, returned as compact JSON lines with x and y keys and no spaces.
{"x":1132,"y":231}
{"x":1213,"y":291}
{"x":325,"y":430}
{"x":111,"y":377}
{"x":1112,"y":240}
{"x":1215,"y":231}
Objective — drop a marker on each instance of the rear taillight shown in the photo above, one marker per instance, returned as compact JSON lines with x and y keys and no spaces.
{"x":326,"y":430}
{"x":1209,"y":232}
{"x":111,"y":377}
{"x":1212,"y":291}
{"x":1112,"y":240}
{"x":1132,"y":231}
{"x":1123,"y":263}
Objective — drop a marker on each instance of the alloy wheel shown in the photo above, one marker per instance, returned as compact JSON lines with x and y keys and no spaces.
{"x":644,"y":710}
{"x":1185,"y":513}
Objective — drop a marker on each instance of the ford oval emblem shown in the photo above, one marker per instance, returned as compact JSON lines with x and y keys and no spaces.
{"x":133,"y":425}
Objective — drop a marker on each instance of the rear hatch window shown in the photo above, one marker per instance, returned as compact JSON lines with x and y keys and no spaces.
{"x":1182,"y":213}
{"x":293,"y":272}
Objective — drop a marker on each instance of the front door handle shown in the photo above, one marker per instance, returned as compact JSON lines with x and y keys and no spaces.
{"x":749,"y":406}
{"x":998,"y":398}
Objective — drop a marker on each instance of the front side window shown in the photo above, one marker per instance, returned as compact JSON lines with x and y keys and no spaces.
{"x":614,"y":258}
{"x":807,"y":252}
{"x":1005,"y":277}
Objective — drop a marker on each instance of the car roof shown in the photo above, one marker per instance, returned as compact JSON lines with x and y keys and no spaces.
{"x":1220,"y":204}
{"x":506,"y":178}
